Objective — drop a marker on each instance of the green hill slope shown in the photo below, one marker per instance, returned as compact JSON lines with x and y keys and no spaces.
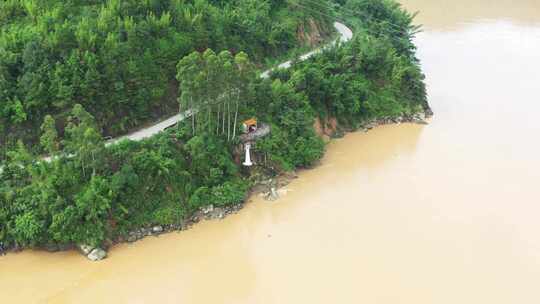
{"x":117,"y":57}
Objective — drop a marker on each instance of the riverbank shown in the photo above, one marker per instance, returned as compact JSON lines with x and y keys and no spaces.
{"x":106,"y":193}
{"x":267,"y":187}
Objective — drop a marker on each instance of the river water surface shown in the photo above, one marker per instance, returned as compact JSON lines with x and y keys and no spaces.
{"x":444,"y":213}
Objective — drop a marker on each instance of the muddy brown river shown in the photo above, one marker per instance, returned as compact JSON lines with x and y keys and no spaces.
{"x":443,"y":213}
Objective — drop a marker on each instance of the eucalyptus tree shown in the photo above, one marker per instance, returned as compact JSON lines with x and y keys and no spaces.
{"x":243,"y":81}
{"x":215,"y":85}
{"x":49,"y":137}
{"x":188,"y":72}
{"x":83,"y":139}
{"x":227,"y":84}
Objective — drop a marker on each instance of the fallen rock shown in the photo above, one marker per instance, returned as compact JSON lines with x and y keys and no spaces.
{"x":142,"y":232}
{"x":157,"y":229}
{"x":132,"y":238}
{"x":272,"y":195}
{"x":97,"y":254}
{"x":207,"y":209}
{"x":86,"y":249}
{"x":217,"y":213}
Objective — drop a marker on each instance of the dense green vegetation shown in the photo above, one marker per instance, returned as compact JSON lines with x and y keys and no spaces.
{"x":90,"y":193}
{"x":214,"y":86}
{"x":103,"y":192}
{"x":117,"y":58}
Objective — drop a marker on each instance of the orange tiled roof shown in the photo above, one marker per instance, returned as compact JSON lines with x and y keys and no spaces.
{"x":250,"y":122}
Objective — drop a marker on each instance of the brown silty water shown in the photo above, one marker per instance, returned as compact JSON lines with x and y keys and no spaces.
{"x":444,"y":213}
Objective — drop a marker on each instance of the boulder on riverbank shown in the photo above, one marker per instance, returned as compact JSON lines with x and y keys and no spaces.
{"x":97,"y":254}
{"x":272,"y":195}
{"x":85,"y":249}
{"x":92,"y":253}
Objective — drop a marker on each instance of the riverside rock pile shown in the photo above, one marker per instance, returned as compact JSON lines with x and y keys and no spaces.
{"x":418,"y":118}
{"x":208,"y":213}
{"x":142,"y":232}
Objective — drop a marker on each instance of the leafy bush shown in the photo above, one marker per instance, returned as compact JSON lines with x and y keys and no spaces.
{"x":27,"y":228}
{"x":292,"y":142}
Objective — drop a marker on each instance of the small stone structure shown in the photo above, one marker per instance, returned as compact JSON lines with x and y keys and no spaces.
{"x":261,"y":132}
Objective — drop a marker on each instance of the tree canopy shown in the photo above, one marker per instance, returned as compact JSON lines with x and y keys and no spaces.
{"x":213,"y":86}
{"x":117,"y":58}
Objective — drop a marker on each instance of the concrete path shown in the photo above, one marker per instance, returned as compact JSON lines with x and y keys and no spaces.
{"x":345,"y":34}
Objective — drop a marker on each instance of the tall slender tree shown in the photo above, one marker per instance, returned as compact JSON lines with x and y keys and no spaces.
{"x":83,"y":139}
{"x":49,"y":137}
{"x":215,"y":85}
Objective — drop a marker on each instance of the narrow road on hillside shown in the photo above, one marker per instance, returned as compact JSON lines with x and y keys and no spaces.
{"x":345,"y":34}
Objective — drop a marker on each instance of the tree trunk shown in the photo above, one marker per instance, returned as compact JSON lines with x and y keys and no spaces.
{"x":209,"y":121}
{"x":236,"y":113}
{"x":228,"y":121}
{"x":82,"y":162}
{"x":93,"y":164}
{"x":223,"y":120}
{"x":217,"y":120}
{"x":192,"y":115}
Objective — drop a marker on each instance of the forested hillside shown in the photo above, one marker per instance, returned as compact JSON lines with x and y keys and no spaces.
{"x":117,"y":58}
{"x":93,"y":194}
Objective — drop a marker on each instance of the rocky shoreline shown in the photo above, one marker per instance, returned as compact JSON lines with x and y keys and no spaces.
{"x":267,"y":187}
{"x":417,"y":118}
